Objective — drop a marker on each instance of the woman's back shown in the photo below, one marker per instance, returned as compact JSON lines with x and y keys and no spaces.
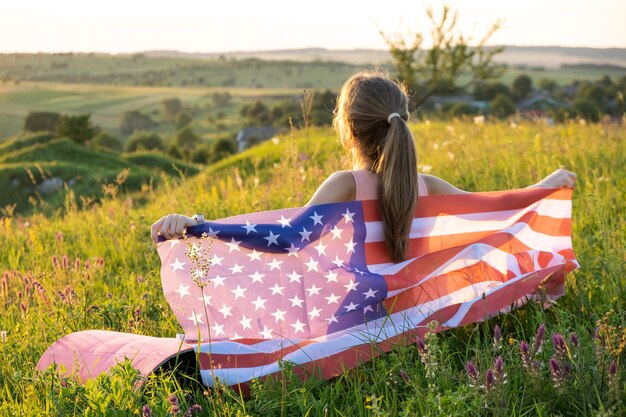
{"x":367,"y":185}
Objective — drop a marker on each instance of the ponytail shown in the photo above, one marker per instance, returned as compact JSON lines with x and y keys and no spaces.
{"x":397,"y":187}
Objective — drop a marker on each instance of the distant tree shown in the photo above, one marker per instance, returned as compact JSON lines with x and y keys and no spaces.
{"x":41,"y":121}
{"x":174,"y":151}
{"x":135,"y":120}
{"x":201,"y":154}
{"x":104,"y":140}
{"x":257,"y":113}
{"x":522,"y":86}
{"x":487,"y":91}
{"x":221,"y":99}
{"x":462,"y":109}
{"x":186,"y":140}
{"x":144,"y":141}
{"x":502,"y":106}
{"x":429,"y":70}
{"x":586,"y":109}
{"x":547,"y":84}
{"x":182,"y":119}
{"x":222,"y":148}
{"x":170,"y":108}
{"x":78,"y":128}
{"x":591,"y":92}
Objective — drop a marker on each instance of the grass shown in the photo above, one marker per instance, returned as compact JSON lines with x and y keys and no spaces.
{"x":43,"y":300}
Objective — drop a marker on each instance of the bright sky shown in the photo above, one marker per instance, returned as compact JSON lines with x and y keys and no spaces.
{"x":210,"y":26}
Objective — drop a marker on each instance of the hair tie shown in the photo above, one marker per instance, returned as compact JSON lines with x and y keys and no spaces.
{"x":391,"y":116}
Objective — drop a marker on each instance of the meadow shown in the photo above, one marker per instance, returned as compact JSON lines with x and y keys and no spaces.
{"x":98,"y":269}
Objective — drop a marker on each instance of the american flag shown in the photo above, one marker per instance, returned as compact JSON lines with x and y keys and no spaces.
{"x":314,"y":285}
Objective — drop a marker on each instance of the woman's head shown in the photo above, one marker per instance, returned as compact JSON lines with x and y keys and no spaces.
{"x":384,"y":145}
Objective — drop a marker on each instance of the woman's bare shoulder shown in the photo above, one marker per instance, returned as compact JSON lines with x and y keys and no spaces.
{"x":437,"y":186}
{"x":338,"y":187}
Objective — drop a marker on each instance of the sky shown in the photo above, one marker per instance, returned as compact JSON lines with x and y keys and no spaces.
{"x":119,"y":26}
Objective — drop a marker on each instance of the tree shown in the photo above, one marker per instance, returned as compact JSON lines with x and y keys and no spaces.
{"x":144,"y":141}
{"x":222,"y":148}
{"x":41,"y":121}
{"x":201,"y":154}
{"x":221,"y":99}
{"x":502,"y":106}
{"x":78,"y":128}
{"x":462,"y":109}
{"x":428,"y":71}
{"x":135,"y":120}
{"x":522,"y":86}
{"x":586,"y":109}
{"x":487,"y":91}
{"x":170,"y":108}
{"x":547,"y":84}
{"x":186,"y":140}
{"x":104,"y":140}
{"x":183,"y":118}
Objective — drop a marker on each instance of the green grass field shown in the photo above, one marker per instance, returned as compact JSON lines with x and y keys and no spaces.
{"x":40,"y":302}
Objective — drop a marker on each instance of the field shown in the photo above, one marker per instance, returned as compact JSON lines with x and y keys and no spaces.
{"x":48,"y":290}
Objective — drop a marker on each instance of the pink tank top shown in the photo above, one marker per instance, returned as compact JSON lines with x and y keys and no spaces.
{"x":367,"y":185}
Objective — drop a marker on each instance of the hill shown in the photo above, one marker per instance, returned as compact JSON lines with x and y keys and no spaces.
{"x":40,"y":170}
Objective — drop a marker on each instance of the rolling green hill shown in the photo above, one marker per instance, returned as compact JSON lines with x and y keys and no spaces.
{"x":36,"y":169}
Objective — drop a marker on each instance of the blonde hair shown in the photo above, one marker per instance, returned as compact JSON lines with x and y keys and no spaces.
{"x":385,"y":147}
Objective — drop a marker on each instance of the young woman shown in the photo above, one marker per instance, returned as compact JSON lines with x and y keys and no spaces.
{"x":371,"y":118}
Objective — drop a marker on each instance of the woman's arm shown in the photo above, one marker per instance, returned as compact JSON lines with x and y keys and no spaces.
{"x":338,"y":187}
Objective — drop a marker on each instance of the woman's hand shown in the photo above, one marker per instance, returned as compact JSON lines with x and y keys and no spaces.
{"x":171,"y":226}
{"x":561,"y":178}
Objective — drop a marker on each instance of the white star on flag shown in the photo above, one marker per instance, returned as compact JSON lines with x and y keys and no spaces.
{"x":283,"y":222}
{"x":177,"y":265}
{"x":271,"y":238}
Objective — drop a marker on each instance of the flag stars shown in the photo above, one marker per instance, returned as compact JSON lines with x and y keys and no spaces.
{"x":278,"y":315}
{"x":320,"y":248}
{"x":313,"y":290}
{"x":274,"y":264}
{"x":277,"y":290}
{"x":338,"y":262}
{"x":182,"y":290}
{"x":370,"y":293}
{"x":212,"y":233}
{"x":236,"y":269}
{"x":239,"y":292}
{"x":284,"y":222}
{"x":351,"y":286}
{"x":296,"y":301}
{"x":257,"y":277}
{"x":245,"y":323}
{"x":350,"y":307}
{"x":305,"y":235}
{"x":249,"y":227}
{"x":332,"y":319}
{"x":266,"y":333}
{"x":177,"y":265}
{"x":174,"y":242}
{"x":336,"y":231}
{"x":216,"y":260}
{"x":311,"y":265}
{"x":225,"y":310}
{"x":317,"y":219}
{"x":331,"y":276}
{"x":271,"y":239}
{"x":350,"y":246}
{"x":315,"y":312}
{"x":218,"y":280}
{"x":206,"y":299}
{"x":294,"y":277}
{"x":348,"y":216}
{"x":219,"y":329}
{"x":298,"y":326}
{"x":293,"y":250}
{"x":196,"y":318}
{"x":332,"y":299}
{"x":254,"y":255}
{"x":368,"y":308}
{"x":259,"y":303}
{"x":233,"y":245}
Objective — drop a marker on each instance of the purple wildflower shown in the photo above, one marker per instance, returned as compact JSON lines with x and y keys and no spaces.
{"x":60,"y":238}
{"x":55,"y":262}
{"x":489,"y":379}
{"x":558,"y":341}
{"x":472,"y":372}
{"x":77,"y":264}
{"x":573,"y":338}
{"x":145,"y":411}
{"x":196,"y":408}
{"x":539,"y":338}
{"x":558,"y":371}
{"x":613,"y":369}
{"x":404,"y":376}
{"x":173,"y":400}
{"x":498,"y":365}
{"x":64,"y":262}
{"x":497,"y":337}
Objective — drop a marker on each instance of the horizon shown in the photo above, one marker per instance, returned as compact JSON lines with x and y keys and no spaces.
{"x":119,"y":27}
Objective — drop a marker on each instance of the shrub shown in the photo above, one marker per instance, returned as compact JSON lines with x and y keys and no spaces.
{"x":201,"y":154}
{"x":587,"y":109}
{"x":183,"y":118}
{"x":78,"y":128}
{"x":144,"y":141}
{"x":522,"y":86}
{"x":170,"y":108}
{"x":462,"y":109}
{"x":41,"y":121}
{"x":135,"y":120}
{"x":502,"y":106}
{"x":104,"y":140}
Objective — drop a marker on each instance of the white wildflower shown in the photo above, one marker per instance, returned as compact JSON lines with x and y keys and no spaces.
{"x":479,"y":120}
{"x":424,"y":168}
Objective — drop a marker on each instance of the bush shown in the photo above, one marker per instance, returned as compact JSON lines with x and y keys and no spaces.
{"x":489,"y":91}
{"x":522,"y":86}
{"x":183,"y":118}
{"x":201,"y":154}
{"x":587,"y":109}
{"x":170,"y":108}
{"x":135,"y":120}
{"x":104,"y":140}
{"x":186,"y":140}
{"x":462,"y":109}
{"x":221,"y":99}
{"x":144,"y":141}
{"x":78,"y":128}
{"x":41,"y":121}
{"x":502,"y":106}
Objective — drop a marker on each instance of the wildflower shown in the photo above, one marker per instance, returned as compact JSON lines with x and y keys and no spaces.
{"x":60,"y":238}
{"x":3,"y":336}
{"x":424,"y":168}
{"x":404,"y":376}
{"x":472,"y":373}
{"x":558,"y":371}
{"x":499,"y":373}
{"x":146,"y":412}
{"x":23,"y":307}
{"x":539,"y":339}
{"x":5,"y":283}
{"x":173,"y":400}
{"x":196,"y":408}
{"x":489,"y":379}
{"x":558,"y":341}
{"x":497,"y":337}
{"x":77,"y":264}
{"x":87,"y":265}
{"x":573,"y":339}
{"x":479,"y":120}
{"x":64,"y":262}
{"x":55,"y":262}
{"x":612,"y":373}
{"x":526,"y":355}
